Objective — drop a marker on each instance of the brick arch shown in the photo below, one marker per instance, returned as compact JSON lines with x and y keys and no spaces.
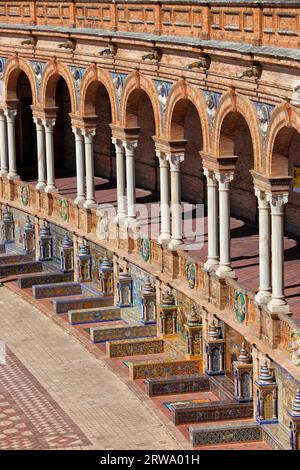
{"x":134,"y":85}
{"x":284,"y":120}
{"x":233,"y":103}
{"x":53,"y":71}
{"x":92,"y":78}
{"x":183,"y":91}
{"x":14,"y":66}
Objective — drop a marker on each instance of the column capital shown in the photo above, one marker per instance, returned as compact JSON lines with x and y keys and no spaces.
{"x":162,"y":157}
{"x":77,"y":131}
{"x":89,"y":134}
{"x":130,"y":146}
{"x":175,"y":159}
{"x":210,"y":176}
{"x":277,"y":202}
{"x":262,"y":199}
{"x":224,"y":180}
{"x":10,"y":114}
{"x":118,"y":143}
{"x":38,"y":122}
{"x":49,"y":123}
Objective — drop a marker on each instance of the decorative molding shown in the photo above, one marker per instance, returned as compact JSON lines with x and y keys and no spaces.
{"x":77,"y":75}
{"x":118,"y":82}
{"x":264,"y":112}
{"x":163,"y":90}
{"x":212,"y":99}
{"x":38,"y":70}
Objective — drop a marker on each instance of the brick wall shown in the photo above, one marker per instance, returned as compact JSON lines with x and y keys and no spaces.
{"x":103,"y":150}
{"x":64,"y":141}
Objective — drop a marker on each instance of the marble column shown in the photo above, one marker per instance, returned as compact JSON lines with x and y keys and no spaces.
{"x":79,"y":149}
{"x":278,"y":302}
{"x":224,"y":268}
{"x":165,"y":229}
{"x":264,"y":293}
{"x":176,"y":210}
{"x":41,"y":154}
{"x":212,"y":220}
{"x":3,"y":145}
{"x":11,"y":138}
{"x":130,"y":147}
{"x":48,"y":125}
{"x":121,"y":179}
{"x":89,"y":168}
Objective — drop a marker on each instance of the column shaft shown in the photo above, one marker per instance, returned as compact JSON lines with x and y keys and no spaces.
{"x":12,"y":158}
{"x":121,"y":178}
{"x":49,"y":124}
{"x":212,"y":220}
{"x":164,"y":171}
{"x":79,"y":148}
{"x":3,"y":145}
{"x":41,"y":154}
{"x":224,"y":268}
{"x":89,"y":168}
{"x":176,"y":210}
{"x":264,"y":293}
{"x":130,"y":147}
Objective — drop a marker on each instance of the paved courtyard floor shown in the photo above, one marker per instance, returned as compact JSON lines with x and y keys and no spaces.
{"x":54,"y":394}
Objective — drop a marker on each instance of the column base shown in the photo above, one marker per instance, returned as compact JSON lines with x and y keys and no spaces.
{"x":90,"y":204}
{"x":211,"y":265}
{"x":263,"y":297}
{"x":51,"y":188}
{"x":225,"y":271}
{"x":121,"y":218}
{"x":175,"y":244}
{"x":79,"y":201}
{"x":164,"y":238}
{"x":278,"y":306}
{"x":13,"y":176}
{"x":3,"y":173}
{"x":129,"y":221}
{"x":40,"y":185}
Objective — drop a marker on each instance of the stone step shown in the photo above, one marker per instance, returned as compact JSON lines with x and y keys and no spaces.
{"x":214,"y":411}
{"x":100,"y":335}
{"x":94,"y":315}
{"x":20,"y":268}
{"x":45,"y":291}
{"x":222,"y":386}
{"x":28,"y":281}
{"x":134,"y":347}
{"x":163,"y":368}
{"x":15,"y":258}
{"x":178,"y":384}
{"x":81,"y":303}
{"x":276,"y":436}
{"x":225,"y":433}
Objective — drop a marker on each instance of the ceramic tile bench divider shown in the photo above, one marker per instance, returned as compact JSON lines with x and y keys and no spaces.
{"x":44,"y":291}
{"x":163,"y":368}
{"x":223,"y":433}
{"x":107,"y":333}
{"x":21,"y":268}
{"x":134,"y":347}
{"x":178,"y":384}
{"x":83,"y":302}
{"x":214,"y":411}
{"x":94,"y":315}
{"x":44,"y":278}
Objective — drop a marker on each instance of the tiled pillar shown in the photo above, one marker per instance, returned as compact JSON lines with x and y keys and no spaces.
{"x":41,"y":153}
{"x":11,"y":138}
{"x":264,"y":293}
{"x":224,"y":268}
{"x":176,"y":210}
{"x":212,"y":219}
{"x":278,"y":302}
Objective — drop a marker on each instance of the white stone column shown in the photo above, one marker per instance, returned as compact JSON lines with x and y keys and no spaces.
{"x":41,"y":153}
{"x":80,"y":173}
{"x":89,"y":168}
{"x":11,"y":138}
{"x":121,"y":179}
{"x":212,"y":220}
{"x":164,"y":172}
{"x":278,"y":302}
{"x":224,"y":268}
{"x":3,"y":145}
{"x":176,"y":210}
{"x":264,"y":293}
{"x":48,"y":125}
{"x":130,"y":146}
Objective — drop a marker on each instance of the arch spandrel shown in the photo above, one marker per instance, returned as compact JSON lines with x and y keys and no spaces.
{"x":53,"y":71}
{"x":14,"y":66}
{"x":184,"y":91}
{"x":136,"y":82}
{"x":234,"y":103}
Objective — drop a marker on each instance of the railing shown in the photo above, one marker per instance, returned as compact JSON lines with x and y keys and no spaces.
{"x":251,"y":23}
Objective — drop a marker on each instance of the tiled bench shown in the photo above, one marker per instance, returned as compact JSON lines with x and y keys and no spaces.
{"x":56,"y":290}
{"x":225,"y":433}
{"x":99,"y":335}
{"x":134,"y":347}
{"x":214,"y":411}
{"x":178,"y":384}
{"x":16,"y":258}
{"x":81,"y":303}
{"x":163,"y":368}
{"x":20,"y":268}
{"x":94,"y":315}
{"x":44,"y":278}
